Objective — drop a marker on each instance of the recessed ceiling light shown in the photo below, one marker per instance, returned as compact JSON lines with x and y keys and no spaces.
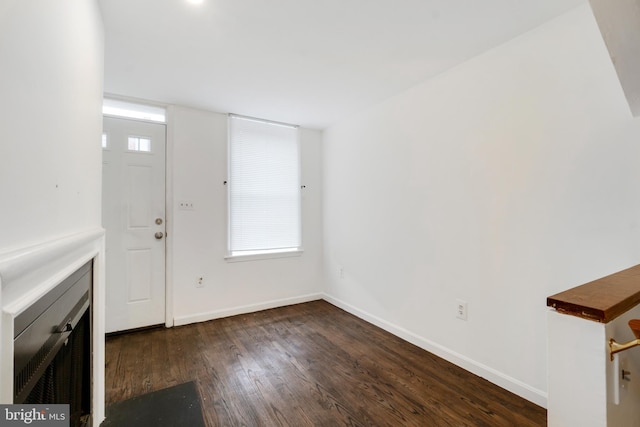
{"x":196,"y":1}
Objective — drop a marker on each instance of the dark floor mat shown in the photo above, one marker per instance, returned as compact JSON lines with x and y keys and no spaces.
{"x":171,"y":407}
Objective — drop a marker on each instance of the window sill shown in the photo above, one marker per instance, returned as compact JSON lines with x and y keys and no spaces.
{"x":257,"y":257}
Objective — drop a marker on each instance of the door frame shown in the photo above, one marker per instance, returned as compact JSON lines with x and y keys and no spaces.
{"x":168,"y":199}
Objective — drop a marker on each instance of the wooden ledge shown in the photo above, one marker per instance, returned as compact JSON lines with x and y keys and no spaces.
{"x":603,"y":299}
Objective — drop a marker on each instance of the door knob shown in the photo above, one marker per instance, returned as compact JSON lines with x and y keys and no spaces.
{"x":159,"y":235}
{"x":159,"y":221}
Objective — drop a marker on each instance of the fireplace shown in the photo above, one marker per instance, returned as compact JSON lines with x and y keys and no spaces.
{"x":34,"y":278}
{"x":52,"y":348}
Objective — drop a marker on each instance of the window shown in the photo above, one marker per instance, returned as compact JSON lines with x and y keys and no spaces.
{"x":131,"y":110}
{"x":263,"y":187}
{"x":139,"y":143}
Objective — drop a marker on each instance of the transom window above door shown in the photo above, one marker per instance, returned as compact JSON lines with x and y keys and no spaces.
{"x":131,"y":110}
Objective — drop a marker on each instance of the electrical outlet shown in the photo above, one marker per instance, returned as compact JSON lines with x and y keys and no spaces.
{"x":185,"y":205}
{"x":200,"y":282}
{"x":341,"y":272}
{"x":461,"y":309}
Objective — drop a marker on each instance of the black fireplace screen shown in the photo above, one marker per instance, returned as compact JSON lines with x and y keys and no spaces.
{"x":52,"y":357}
{"x":67,"y":379}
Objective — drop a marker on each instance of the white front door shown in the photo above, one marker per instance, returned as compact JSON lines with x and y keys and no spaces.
{"x":133,"y":214}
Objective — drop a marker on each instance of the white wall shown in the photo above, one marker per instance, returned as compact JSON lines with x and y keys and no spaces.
{"x":198,"y":238}
{"x":51,"y":66}
{"x":51,"y":74}
{"x":507,"y":179}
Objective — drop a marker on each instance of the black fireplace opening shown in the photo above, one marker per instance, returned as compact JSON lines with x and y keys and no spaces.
{"x":52,"y":348}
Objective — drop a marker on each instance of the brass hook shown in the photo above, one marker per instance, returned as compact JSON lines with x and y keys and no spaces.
{"x":615,"y":347}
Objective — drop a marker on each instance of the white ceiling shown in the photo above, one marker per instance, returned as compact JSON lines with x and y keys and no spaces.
{"x":307,"y":62}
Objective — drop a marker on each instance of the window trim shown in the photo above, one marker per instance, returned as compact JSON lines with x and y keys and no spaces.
{"x":265,"y":255}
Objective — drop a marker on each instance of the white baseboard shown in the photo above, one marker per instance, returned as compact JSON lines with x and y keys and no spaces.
{"x":251,"y":308}
{"x":498,"y":378}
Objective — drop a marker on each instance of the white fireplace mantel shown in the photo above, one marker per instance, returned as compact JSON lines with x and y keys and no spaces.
{"x":28,"y":273}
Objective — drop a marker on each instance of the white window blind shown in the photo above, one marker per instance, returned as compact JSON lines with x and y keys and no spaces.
{"x":264,"y":187}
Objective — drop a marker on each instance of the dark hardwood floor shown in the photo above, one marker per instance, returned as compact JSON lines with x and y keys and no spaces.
{"x":309,"y":364}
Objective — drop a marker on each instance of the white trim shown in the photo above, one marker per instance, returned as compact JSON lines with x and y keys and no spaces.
{"x":26,"y":274}
{"x":256,"y":119}
{"x":113,"y":116}
{"x":266,"y":255}
{"x":134,"y":100}
{"x":498,"y":378}
{"x":244,"y":309}
{"x":168,"y":217}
